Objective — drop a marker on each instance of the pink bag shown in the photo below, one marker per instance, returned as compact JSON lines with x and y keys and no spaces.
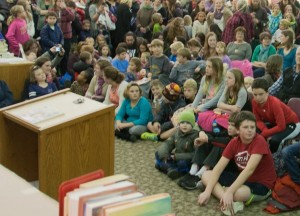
{"x":244,"y":65}
{"x":205,"y":120}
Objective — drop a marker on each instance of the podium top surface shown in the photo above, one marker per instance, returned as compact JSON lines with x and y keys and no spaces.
{"x":18,"y":197}
{"x":52,"y":110}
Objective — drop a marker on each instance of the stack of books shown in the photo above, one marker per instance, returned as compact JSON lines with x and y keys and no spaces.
{"x":110,"y":196}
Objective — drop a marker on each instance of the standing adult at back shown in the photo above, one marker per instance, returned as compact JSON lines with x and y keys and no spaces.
{"x":42,"y":8}
{"x":220,"y":15}
{"x":124,"y":16}
{"x":240,"y":18}
{"x":260,"y":20}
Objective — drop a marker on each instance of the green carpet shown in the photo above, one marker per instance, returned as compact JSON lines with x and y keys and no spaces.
{"x":137,"y":161}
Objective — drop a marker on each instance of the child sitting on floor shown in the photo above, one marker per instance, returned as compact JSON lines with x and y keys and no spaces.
{"x":276,"y":121}
{"x":202,"y":160}
{"x":82,"y":84}
{"x":257,"y":174}
{"x":174,"y":156}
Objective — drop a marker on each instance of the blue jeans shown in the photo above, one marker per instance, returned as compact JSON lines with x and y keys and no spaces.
{"x":182,"y":166}
{"x":290,"y":155}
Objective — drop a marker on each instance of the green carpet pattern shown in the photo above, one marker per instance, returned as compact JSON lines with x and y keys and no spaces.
{"x":137,"y":161}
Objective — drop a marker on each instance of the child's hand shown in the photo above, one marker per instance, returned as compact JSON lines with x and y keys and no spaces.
{"x":156,"y":128}
{"x":197,"y":70}
{"x":203,"y":137}
{"x":203,"y":198}
{"x":227,"y":201}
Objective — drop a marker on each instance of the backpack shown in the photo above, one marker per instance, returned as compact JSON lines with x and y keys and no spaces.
{"x":244,"y":65}
{"x":285,"y":196}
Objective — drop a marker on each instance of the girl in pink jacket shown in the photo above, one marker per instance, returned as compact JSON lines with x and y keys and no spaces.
{"x":17,"y":30}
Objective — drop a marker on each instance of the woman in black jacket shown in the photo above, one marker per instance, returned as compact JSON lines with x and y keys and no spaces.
{"x":124,"y":16}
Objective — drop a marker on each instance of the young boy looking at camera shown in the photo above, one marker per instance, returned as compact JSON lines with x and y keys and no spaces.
{"x":51,"y":34}
{"x":185,"y":67}
{"x":256,"y":176}
{"x":174,"y":156}
{"x":159,"y":65}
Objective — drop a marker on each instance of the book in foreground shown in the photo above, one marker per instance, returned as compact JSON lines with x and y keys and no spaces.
{"x":114,"y":196}
{"x":154,"y":205}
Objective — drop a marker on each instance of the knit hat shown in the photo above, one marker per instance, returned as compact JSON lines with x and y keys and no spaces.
{"x":187,"y":116}
{"x":172,"y":91}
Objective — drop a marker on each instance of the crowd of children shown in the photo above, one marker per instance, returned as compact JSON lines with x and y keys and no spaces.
{"x":210,"y":79}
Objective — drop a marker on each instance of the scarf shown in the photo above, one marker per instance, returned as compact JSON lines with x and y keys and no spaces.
{"x":100,"y":85}
{"x":218,"y":15}
{"x":263,"y":54}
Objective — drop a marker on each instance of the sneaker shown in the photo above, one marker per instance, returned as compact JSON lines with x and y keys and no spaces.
{"x":189,"y":182}
{"x":163,"y":169}
{"x":149,"y":136}
{"x":174,"y":174}
{"x":237,"y":206}
{"x":133,"y":138}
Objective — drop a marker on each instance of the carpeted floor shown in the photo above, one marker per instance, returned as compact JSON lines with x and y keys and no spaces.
{"x":137,"y":161}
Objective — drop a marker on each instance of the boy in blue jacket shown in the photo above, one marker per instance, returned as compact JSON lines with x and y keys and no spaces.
{"x":51,"y":34}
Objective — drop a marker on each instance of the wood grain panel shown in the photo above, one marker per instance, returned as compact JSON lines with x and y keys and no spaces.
{"x":18,"y":149}
{"x":15,"y":75}
{"x":73,"y":147}
{"x":76,"y":150}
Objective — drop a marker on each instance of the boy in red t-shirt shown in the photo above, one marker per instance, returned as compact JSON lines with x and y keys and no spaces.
{"x":276,"y":121}
{"x":257,"y":174}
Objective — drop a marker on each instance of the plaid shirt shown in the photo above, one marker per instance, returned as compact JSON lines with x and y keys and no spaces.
{"x":274,"y":89}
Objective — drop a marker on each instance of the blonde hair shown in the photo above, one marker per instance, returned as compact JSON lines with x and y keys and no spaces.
{"x":128,"y":2}
{"x":177,"y":45}
{"x":190,"y":83}
{"x":217,"y":67}
{"x":157,"y":42}
{"x":156,"y":17}
{"x":221,"y":44}
{"x":14,"y":11}
{"x":187,"y":19}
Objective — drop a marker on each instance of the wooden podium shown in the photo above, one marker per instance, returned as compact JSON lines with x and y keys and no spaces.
{"x":77,"y":141}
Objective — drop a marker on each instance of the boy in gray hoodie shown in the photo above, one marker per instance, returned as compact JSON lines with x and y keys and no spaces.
{"x":185,"y":67}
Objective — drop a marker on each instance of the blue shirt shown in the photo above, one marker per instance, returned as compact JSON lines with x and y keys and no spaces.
{"x":289,"y":60}
{"x":140,"y":114}
{"x":36,"y":91}
{"x":121,"y":65}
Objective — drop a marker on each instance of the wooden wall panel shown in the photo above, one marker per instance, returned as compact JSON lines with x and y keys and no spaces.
{"x":15,"y":75}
